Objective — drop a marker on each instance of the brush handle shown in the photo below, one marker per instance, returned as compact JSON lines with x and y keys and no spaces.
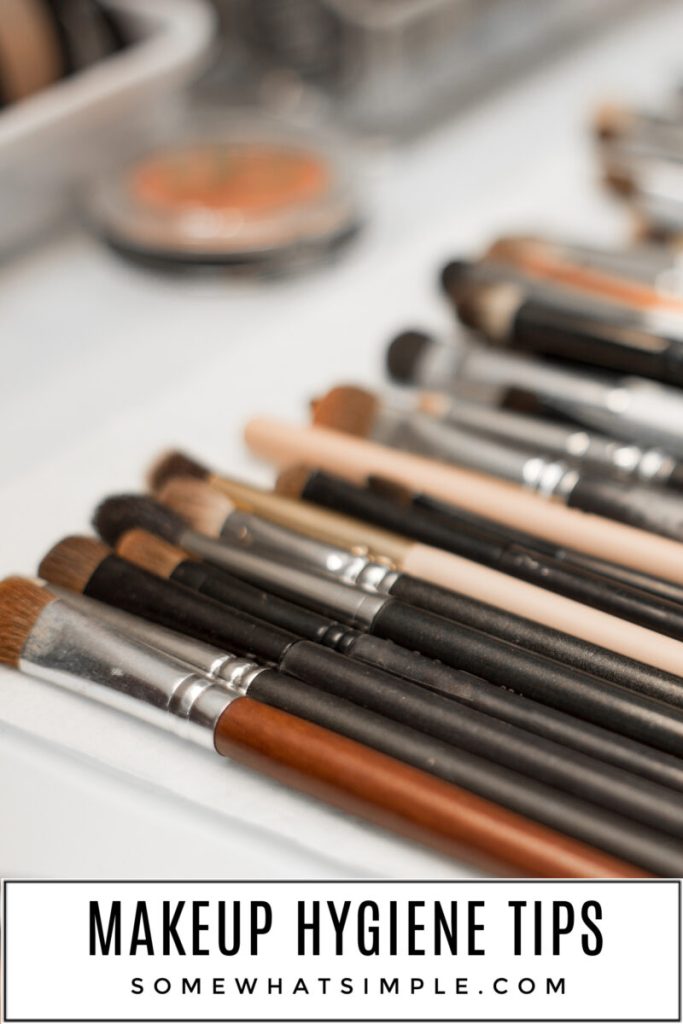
{"x":534,"y":636}
{"x":528,"y":714}
{"x":356,"y":459}
{"x":488,"y":737}
{"x":134,"y":590}
{"x":236,"y":593}
{"x":651,"y":509}
{"x":630,"y":347}
{"x":484,"y":546}
{"x":549,"y":682}
{"x":349,"y":775}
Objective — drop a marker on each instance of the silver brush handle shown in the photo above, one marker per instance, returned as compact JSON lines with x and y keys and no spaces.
{"x":91,"y":658}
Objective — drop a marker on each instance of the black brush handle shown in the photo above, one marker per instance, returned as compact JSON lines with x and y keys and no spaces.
{"x":547,"y":681}
{"x":139,"y":592}
{"x":521,"y":711}
{"x":534,"y":636}
{"x":550,"y":330}
{"x":488,"y":737}
{"x":236,"y":593}
{"x":489,"y":548}
{"x":636,"y":843}
{"x":647,"y":508}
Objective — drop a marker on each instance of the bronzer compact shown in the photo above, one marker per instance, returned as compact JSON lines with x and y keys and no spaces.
{"x":260,"y":198}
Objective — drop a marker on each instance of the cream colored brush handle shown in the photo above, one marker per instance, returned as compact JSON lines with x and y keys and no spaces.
{"x":532,"y":602}
{"x":355,"y":459}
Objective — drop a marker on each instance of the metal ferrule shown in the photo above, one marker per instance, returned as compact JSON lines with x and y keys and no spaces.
{"x":348,"y":602}
{"x":204,"y":657}
{"x":239,"y":673}
{"x":550,"y":479}
{"x":245,"y":530}
{"x":90,"y":657}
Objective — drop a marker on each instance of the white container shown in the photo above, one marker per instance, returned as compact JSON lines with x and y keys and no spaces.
{"x":57,"y":138}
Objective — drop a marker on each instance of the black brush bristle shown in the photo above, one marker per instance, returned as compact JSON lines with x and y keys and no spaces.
{"x":116,"y":515}
{"x":404,"y":353}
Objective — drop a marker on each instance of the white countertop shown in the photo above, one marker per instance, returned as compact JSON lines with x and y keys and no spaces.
{"x":104,"y":365}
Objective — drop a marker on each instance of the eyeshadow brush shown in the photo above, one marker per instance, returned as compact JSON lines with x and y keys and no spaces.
{"x":587,"y":637}
{"x":45,"y":637}
{"x":630,"y":407}
{"x":359,"y":412}
{"x":285,"y":444}
{"x":157,"y":556}
{"x":485,"y":546}
{"x":129,"y":587}
{"x":649,"y":721}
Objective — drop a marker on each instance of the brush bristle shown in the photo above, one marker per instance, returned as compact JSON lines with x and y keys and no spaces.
{"x":198,"y":503}
{"x":173,"y":464}
{"x":150,"y":552}
{"x":348,"y":409}
{"x":290,"y":482}
{"x":404,"y":354}
{"x":611,"y":121}
{"x":72,"y":562}
{"x":117,"y":515}
{"x":21,"y":602}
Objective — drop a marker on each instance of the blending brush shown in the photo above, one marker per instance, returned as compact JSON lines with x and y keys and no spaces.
{"x":46,"y":637}
{"x":157,"y":556}
{"x":442,"y":718}
{"x":354,"y":458}
{"x":356,"y":411}
{"x":129,"y":587}
{"x":637,"y":410}
{"x":483,"y":544}
{"x":476,"y":596}
{"x":630,"y":341}
{"x":639,"y":717}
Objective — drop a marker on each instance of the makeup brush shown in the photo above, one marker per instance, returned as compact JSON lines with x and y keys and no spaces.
{"x":638,"y":410}
{"x":639,"y":717}
{"x":590,"y":640}
{"x":595,"y":453}
{"x":356,"y":411}
{"x":559,"y":264}
{"x":157,"y":556}
{"x":488,"y":547}
{"x":627,"y":341}
{"x":45,"y":637}
{"x":213,"y":514}
{"x":196,"y":615}
{"x":354,"y":458}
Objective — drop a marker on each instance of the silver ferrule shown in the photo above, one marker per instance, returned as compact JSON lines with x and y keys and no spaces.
{"x":328,"y":596}
{"x":204,"y":657}
{"x":550,"y":479}
{"x":239,"y":674}
{"x":251,"y":532}
{"x":90,"y":657}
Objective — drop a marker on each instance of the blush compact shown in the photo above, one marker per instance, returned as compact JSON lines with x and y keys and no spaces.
{"x":262,"y":199}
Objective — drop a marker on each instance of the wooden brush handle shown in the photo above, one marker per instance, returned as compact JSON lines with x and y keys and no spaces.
{"x":357,"y":779}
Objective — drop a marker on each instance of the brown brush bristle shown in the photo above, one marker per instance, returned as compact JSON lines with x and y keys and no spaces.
{"x":21,"y":602}
{"x":348,"y":409}
{"x":150,"y":552}
{"x":173,"y":464}
{"x":290,"y":482}
{"x":620,"y":181}
{"x":198,"y":503}
{"x":72,"y":562}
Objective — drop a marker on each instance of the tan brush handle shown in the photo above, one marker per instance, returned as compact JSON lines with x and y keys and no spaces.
{"x":355,"y":459}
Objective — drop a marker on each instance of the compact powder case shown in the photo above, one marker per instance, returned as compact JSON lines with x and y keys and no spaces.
{"x":262,"y":200}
